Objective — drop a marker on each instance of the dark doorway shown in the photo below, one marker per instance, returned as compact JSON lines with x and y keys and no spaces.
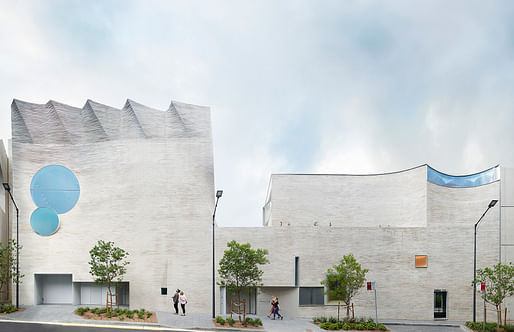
{"x":440,"y":304}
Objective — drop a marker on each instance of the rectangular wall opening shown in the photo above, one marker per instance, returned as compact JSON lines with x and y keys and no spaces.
{"x":53,"y":289}
{"x":440,"y":298}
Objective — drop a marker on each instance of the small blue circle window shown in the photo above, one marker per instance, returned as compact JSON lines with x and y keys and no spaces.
{"x":55,"y":187}
{"x":44,"y":221}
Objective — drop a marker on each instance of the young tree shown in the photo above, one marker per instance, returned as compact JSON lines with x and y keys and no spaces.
{"x":239,"y":268}
{"x":8,"y":265}
{"x":107,"y":265}
{"x":343,"y":281}
{"x":499,"y":284}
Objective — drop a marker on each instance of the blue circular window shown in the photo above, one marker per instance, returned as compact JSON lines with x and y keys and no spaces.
{"x":44,"y":221}
{"x":55,"y":187}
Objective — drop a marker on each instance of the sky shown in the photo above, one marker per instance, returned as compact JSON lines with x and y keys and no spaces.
{"x":352,"y":87}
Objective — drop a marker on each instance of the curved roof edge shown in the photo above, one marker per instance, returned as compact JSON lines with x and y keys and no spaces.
{"x":346,"y":174}
{"x":487,"y":176}
{"x":434,"y":176}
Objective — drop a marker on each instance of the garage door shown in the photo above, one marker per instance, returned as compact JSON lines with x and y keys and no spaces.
{"x":91,"y":293}
{"x":53,"y":288}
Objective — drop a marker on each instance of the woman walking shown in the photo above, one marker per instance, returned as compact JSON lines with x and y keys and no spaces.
{"x":183,"y":300}
{"x":277,"y":308}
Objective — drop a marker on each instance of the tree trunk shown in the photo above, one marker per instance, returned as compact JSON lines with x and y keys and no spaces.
{"x":338,"y":306}
{"x":347,"y":312}
{"x":239,"y":304}
{"x":498,"y":316}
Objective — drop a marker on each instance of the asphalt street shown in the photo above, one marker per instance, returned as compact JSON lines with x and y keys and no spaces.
{"x":403,"y":328}
{"x":36,"y":327}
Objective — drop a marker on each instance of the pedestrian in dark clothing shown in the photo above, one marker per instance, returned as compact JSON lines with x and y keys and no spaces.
{"x":277,"y":308}
{"x":175,"y":301}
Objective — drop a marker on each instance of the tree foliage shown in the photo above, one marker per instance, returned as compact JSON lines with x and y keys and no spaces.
{"x":239,"y":267}
{"x":499,"y":284}
{"x":343,"y":281}
{"x":8,"y":264}
{"x":107,"y":264}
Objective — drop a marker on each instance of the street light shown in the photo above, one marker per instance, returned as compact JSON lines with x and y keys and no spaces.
{"x":8,"y":189}
{"x":491,"y":204}
{"x":219,"y":193}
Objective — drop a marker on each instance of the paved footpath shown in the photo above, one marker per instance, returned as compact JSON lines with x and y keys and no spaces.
{"x":197,"y":321}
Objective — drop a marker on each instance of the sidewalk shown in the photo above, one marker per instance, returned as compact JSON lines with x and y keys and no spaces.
{"x":200,"y":321}
{"x":64,"y":314}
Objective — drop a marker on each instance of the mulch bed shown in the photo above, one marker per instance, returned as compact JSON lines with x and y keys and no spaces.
{"x":237,"y":325}
{"x":19,"y":310}
{"x":317,"y":324}
{"x":90,"y":315}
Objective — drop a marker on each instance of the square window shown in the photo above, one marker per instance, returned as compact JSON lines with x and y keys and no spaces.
{"x":164,"y":291}
{"x":421,"y":261}
{"x":311,"y":296}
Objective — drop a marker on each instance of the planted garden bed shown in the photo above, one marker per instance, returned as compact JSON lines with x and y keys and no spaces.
{"x":117,"y":314}
{"x":248,"y":323}
{"x":333,"y":324}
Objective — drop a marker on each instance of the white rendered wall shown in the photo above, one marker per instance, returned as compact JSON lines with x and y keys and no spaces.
{"x":396,"y":199}
{"x":152,"y":197}
{"x":404,"y":292}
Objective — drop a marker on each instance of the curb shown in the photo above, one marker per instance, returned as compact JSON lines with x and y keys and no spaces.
{"x":125,"y":325}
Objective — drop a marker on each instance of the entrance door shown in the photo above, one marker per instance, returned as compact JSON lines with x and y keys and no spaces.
{"x":440,"y":304}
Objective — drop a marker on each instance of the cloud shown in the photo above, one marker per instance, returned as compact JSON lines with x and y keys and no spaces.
{"x":294,"y":86}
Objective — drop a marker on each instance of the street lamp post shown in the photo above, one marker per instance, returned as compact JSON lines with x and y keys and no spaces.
{"x":491,"y":204}
{"x":219,"y":193}
{"x":8,"y":189}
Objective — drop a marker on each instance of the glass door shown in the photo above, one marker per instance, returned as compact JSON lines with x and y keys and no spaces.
{"x":440,"y":304}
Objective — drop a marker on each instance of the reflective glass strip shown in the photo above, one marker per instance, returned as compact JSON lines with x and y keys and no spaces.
{"x":465,"y":181}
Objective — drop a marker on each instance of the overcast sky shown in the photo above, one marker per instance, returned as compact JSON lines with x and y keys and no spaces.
{"x":294,"y":86}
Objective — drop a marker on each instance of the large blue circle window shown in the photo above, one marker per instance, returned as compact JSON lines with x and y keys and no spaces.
{"x":55,"y":187}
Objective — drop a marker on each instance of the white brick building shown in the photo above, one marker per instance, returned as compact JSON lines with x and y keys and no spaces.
{"x":145,"y":180}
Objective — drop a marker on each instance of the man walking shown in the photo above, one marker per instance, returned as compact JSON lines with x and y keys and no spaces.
{"x":175,"y":301}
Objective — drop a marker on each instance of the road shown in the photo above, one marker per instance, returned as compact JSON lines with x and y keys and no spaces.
{"x":403,"y":328}
{"x":36,"y":327}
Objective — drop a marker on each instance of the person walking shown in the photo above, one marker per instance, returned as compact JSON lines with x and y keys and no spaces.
{"x":183,"y":300}
{"x":277,"y":308}
{"x":272,"y":306}
{"x":175,"y":300}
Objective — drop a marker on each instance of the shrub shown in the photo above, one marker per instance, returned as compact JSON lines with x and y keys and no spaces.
{"x":370,"y":325}
{"x":148,"y":314}
{"x":346,"y":326}
{"x":332,"y":320}
{"x":86,"y":309}
{"x":325,"y":325}
{"x":382,"y":327}
{"x":220,"y":320}
{"x":81,"y":311}
{"x":230,"y":321}
{"x":508,"y":328}
{"x":333,"y":326}
{"x":361,"y":326}
{"x":257,"y":322}
{"x":479,"y":325}
{"x":323,"y":319}
{"x":130,"y":314}
{"x":141,"y":314}
{"x":101,"y":311}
